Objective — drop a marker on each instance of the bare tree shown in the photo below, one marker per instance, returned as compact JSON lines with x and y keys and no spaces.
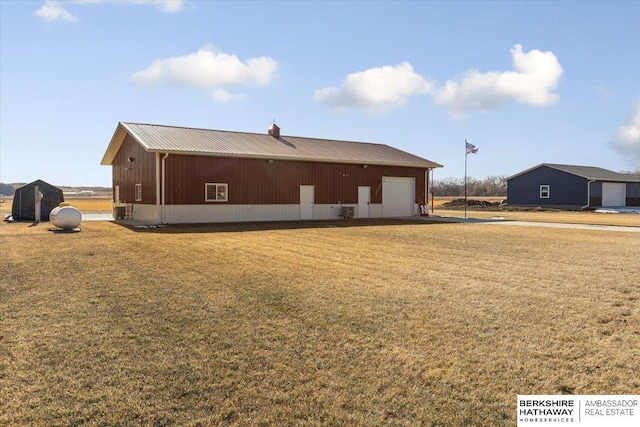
{"x":491,"y":186}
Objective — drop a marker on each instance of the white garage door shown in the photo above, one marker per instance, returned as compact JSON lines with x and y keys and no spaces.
{"x":614,"y":194}
{"x":397,"y":196}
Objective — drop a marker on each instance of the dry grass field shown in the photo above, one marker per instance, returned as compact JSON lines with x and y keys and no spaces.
{"x":565,"y":217}
{"x":550,"y":215}
{"x":91,"y":204}
{"x":396,"y":323}
{"x":84,"y":204}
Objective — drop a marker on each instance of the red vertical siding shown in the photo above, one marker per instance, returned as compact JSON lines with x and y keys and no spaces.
{"x":142,"y":170}
{"x":255,"y":181}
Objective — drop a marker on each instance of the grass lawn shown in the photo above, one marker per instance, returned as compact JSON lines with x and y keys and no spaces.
{"x":400,"y":323}
{"x":566,"y":217}
{"x":550,"y":215}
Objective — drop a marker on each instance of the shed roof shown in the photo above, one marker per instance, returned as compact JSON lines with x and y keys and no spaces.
{"x":587,"y":172}
{"x":207,"y":142}
{"x":40,"y":183}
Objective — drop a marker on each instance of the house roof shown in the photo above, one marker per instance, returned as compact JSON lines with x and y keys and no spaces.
{"x":587,"y":172}
{"x":206,"y":142}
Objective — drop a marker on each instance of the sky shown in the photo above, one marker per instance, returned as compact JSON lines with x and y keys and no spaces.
{"x":525,"y":82}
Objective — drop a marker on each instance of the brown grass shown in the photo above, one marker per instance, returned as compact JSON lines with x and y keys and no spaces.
{"x":566,"y":217}
{"x":91,"y":204}
{"x":402,"y":324}
{"x":83,"y":204}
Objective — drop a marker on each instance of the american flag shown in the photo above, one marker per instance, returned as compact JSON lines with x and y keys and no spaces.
{"x":471,"y":149}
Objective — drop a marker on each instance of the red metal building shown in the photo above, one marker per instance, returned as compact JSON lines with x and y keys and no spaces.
{"x":168,"y":174}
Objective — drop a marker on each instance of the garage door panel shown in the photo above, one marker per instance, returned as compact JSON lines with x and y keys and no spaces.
{"x":397,"y":196}
{"x":614,"y":194}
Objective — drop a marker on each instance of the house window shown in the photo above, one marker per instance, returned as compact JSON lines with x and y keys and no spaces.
{"x":544,"y":191}
{"x":215,"y":192}
{"x":138,"y":192}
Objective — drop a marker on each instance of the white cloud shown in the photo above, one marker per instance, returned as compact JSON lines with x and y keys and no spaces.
{"x":376,"y":90}
{"x":221,"y":95}
{"x":626,"y":139}
{"x":52,"y":10}
{"x":167,"y":6}
{"x":535,"y":78}
{"x":208,"y":69}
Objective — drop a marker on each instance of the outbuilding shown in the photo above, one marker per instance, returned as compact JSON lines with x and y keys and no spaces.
{"x":573,"y":187}
{"x":24,"y":201}
{"x":169,"y":174}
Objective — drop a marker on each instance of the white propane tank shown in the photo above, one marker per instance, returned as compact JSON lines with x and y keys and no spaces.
{"x":65,"y":216}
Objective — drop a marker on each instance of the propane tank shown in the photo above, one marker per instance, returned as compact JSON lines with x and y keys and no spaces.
{"x":65,"y":216}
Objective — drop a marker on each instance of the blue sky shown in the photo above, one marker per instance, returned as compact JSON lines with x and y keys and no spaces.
{"x":526,"y":82}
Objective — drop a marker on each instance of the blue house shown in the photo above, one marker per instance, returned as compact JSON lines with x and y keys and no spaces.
{"x":573,"y":187}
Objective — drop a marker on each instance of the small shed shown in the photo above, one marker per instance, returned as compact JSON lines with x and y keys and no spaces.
{"x":573,"y":187}
{"x":24,"y":201}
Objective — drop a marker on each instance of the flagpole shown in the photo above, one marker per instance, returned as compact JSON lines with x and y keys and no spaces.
{"x":466,"y":153}
{"x":468,"y":148}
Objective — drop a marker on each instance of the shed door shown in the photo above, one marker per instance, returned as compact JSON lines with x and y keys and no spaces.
{"x":398,"y":196}
{"x":614,"y":194}
{"x":306,"y":201}
{"x":364,"y":197}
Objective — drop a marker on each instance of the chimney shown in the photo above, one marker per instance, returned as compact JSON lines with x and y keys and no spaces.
{"x":274,"y":131}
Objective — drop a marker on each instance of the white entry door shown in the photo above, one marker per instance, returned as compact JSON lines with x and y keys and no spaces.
{"x":614,"y":194}
{"x":364,"y":198}
{"x":306,"y":201}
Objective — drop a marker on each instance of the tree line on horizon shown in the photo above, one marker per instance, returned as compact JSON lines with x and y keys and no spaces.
{"x":10,"y":189}
{"x":491,"y":186}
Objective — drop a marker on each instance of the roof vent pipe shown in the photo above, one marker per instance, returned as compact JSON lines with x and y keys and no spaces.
{"x":274,"y":131}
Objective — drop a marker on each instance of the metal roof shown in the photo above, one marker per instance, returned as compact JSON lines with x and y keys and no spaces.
{"x":206,"y":142}
{"x":588,"y":172}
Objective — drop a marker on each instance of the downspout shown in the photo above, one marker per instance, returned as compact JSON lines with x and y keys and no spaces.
{"x":426,"y":190}
{"x":164,"y":188}
{"x":431,"y":189}
{"x":589,"y":182}
{"x":158,"y":190}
